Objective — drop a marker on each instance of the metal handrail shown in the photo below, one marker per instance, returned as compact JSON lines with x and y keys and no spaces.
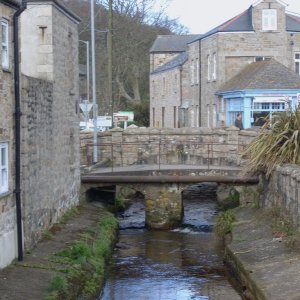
{"x":117,"y":150}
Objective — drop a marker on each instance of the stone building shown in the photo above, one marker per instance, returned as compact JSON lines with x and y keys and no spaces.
{"x":8,"y":250}
{"x":169,"y":73}
{"x":50,"y":165}
{"x":264,"y":31}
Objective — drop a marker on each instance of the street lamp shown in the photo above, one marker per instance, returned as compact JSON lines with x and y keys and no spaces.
{"x":95,"y":154}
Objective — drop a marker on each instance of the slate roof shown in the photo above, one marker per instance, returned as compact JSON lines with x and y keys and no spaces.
{"x":178,"y":61}
{"x":268,"y":74}
{"x":243,"y":22}
{"x":292,"y":23}
{"x":13,"y":3}
{"x":172,"y":43}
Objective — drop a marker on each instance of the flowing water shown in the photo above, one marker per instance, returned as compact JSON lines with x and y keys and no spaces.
{"x":180,"y":264}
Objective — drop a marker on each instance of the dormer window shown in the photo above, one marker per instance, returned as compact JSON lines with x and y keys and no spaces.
{"x":269,"y":19}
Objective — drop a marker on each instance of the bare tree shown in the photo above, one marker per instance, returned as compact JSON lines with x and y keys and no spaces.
{"x":136,"y":23}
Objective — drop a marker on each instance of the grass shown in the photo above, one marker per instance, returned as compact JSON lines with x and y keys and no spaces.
{"x":85,"y":261}
{"x":71,"y":213}
{"x":224,"y":223}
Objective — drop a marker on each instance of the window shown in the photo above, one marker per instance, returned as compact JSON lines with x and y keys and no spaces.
{"x":3,"y":168}
{"x":261,"y":58}
{"x":297,"y":62}
{"x":163,"y":117}
{"x":164,"y":86}
{"x":5,"y":44}
{"x":197,"y":71}
{"x":269,"y":19}
{"x":208,"y":67}
{"x":214,"y":68}
{"x":175,"y":116}
{"x":153,"y":116}
{"x":192,"y":71}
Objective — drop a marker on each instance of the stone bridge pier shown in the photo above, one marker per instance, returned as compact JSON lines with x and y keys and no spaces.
{"x":163,"y":204}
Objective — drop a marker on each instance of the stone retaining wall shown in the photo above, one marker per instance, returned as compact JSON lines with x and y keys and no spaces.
{"x":282,"y":190}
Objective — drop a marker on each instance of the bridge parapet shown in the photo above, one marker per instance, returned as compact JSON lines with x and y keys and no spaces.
{"x":151,"y":146}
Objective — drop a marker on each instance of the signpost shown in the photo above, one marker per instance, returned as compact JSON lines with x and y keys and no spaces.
{"x":123,"y":116}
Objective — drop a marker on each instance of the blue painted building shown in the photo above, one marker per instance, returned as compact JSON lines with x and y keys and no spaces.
{"x":259,"y":90}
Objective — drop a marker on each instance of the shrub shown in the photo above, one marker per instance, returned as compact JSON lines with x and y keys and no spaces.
{"x":277,"y":143}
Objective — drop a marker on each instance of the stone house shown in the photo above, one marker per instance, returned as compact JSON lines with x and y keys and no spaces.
{"x":8,"y":251}
{"x":49,"y":148}
{"x":264,"y":31}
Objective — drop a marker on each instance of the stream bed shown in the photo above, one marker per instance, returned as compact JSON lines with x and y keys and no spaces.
{"x":180,"y":264}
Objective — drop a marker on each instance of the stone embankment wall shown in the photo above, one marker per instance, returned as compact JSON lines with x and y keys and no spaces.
{"x":282,"y":191}
{"x":167,"y":146}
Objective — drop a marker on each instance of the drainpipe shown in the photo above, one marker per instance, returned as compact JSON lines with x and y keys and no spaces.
{"x":18,"y":127}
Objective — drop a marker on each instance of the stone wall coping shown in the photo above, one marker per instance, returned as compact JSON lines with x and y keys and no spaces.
{"x":171,"y":132}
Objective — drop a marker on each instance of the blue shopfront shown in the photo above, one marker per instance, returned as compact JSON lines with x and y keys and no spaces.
{"x":256,"y":104}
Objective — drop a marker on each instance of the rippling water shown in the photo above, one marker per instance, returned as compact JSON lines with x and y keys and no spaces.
{"x":181,"y":264}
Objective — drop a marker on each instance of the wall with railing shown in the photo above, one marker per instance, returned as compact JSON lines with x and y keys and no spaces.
{"x":151,"y":146}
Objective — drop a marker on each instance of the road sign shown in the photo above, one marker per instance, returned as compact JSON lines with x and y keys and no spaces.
{"x":121,"y":118}
{"x":85,"y":106}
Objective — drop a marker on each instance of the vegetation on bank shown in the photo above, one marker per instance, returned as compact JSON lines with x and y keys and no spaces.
{"x":278,"y":143}
{"x":84,"y":262}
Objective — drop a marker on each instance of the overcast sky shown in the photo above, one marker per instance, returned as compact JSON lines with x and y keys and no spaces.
{"x":199,"y":16}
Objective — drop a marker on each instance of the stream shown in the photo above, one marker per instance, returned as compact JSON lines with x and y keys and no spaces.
{"x":180,"y":264}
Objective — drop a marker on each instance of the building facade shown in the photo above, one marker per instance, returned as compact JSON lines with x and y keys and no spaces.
{"x":50,"y":162}
{"x":50,"y":96}
{"x":264,"y":31}
{"x":8,"y":230}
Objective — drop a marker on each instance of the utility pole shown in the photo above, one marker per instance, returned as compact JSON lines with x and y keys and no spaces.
{"x":95,"y":154}
{"x":87,"y":44}
{"x":110,"y":58}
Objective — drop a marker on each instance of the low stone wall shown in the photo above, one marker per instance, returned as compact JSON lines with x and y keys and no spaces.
{"x":282,"y":190}
{"x":167,"y":146}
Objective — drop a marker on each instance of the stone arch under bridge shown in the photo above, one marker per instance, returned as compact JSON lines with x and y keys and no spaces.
{"x":163,"y":201}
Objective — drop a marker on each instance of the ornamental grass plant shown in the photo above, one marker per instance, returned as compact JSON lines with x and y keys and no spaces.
{"x":278,"y":143}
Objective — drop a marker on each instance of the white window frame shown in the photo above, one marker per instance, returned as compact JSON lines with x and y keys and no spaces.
{"x":269,"y":19}
{"x":297,"y":62}
{"x":3,"y":168}
{"x":214,"y":68}
{"x":208,"y":67}
{"x":5,"y":44}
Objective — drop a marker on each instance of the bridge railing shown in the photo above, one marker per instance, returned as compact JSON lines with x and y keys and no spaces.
{"x":161,"y":154}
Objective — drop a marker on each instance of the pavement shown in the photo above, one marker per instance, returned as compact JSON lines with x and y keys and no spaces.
{"x":29,"y":279}
{"x":266,"y":264}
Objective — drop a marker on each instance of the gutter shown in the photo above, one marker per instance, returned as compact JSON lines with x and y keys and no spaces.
{"x":18,"y":127}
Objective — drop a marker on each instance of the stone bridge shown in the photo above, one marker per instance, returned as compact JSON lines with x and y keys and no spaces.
{"x":160,"y":164}
{"x":162,"y":192}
